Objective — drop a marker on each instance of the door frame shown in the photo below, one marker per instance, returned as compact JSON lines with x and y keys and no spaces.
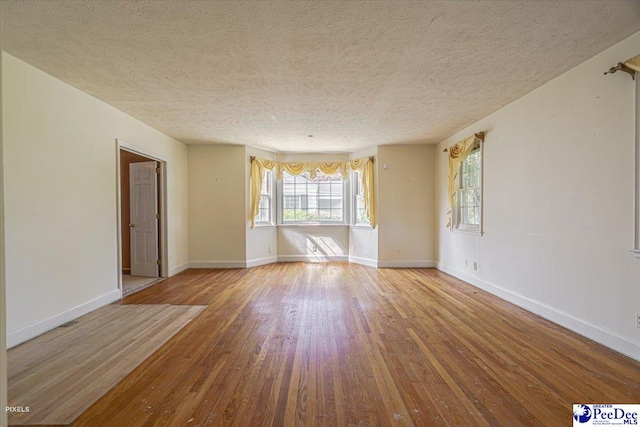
{"x":162,"y":194}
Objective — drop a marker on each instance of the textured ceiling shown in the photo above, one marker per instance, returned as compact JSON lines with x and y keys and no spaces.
{"x":352,"y":74}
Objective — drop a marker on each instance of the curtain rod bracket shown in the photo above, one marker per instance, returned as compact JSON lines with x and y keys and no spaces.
{"x":622,"y":67}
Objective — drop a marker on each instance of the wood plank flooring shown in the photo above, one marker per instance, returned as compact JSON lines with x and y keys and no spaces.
{"x":131,"y":284}
{"x":60,"y":374}
{"x":342,"y":344}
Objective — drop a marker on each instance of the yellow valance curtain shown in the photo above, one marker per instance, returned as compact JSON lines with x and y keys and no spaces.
{"x":458,"y":152}
{"x":364,"y":167}
{"x":295,"y":168}
{"x":633,"y":63}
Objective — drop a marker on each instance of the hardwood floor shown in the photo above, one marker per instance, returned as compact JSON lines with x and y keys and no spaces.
{"x":342,"y":344}
{"x":60,"y":374}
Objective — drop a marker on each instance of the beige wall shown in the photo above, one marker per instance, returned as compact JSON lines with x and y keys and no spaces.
{"x":60,"y":198}
{"x":297,"y":243}
{"x":217,"y":212}
{"x":406,"y":210}
{"x":262,"y":241}
{"x":558,"y":203}
{"x":312,"y":157}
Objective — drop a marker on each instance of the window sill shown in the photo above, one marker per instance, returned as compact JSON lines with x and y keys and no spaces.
{"x":635,"y":252}
{"x":264,"y":226}
{"x":468,"y":231}
{"x":361,"y":226}
{"x":313,"y":225}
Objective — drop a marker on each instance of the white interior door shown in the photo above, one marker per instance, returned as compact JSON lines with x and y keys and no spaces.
{"x":143,"y":186}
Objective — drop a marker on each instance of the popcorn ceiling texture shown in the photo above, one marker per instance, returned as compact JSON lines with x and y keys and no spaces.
{"x":353,"y":74}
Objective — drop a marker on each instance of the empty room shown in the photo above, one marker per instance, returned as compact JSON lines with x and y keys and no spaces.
{"x":331,"y":213}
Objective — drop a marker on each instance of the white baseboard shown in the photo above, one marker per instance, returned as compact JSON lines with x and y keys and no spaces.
{"x":363,"y":261}
{"x":406,"y":264}
{"x":599,"y":334}
{"x":218,"y":264}
{"x":312,"y":258}
{"x":261,"y":261}
{"x":178,"y":269}
{"x":41,"y":326}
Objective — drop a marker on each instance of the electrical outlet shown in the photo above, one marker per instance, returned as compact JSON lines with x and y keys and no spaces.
{"x":637,"y":320}
{"x":269,"y":249}
{"x":475,"y":265}
{"x":314,"y":248}
{"x":353,"y":249}
{"x":466,"y":263}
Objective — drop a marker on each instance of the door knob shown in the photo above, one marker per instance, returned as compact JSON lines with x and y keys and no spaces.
{"x":131,"y":225}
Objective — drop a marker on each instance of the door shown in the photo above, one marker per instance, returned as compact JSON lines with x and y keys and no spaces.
{"x":143,"y":218}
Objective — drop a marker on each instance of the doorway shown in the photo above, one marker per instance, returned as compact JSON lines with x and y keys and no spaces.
{"x":142,"y":219}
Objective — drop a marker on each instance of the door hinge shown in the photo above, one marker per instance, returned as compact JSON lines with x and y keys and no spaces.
{"x":157,"y":170}
{"x":159,"y":262}
{"x":157,"y":216}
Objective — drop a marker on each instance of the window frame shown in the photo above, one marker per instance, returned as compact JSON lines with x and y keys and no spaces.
{"x":469,"y":228}
{"x":271,"y":196}
{"x":355,"y":180}
{"x":280,"y":207}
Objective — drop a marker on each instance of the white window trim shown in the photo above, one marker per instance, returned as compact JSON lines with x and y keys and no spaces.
{"x":465,"y":228}
{"x":312,"y":225}
{"x":354,"y":203}
{"x":272,"y":214}
{"x":346,"y":197}
{"x":362,"y":226}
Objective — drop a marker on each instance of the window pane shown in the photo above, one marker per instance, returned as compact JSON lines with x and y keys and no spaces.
{"x":266,"y":183}
{"x":472,"y":216}
{"x":362,"y":216}
{"x":264,"y":209}
{"x":469,"y":197}
{"x":325,"y":188}
{"x":466,"y":180}
{"x":463,"y":197}
{"x":312,"y":200}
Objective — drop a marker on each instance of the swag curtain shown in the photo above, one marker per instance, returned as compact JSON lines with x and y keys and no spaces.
{"x":364,"y":167}
{"x":633,"y":63}
{"x":328,"y":168}
{"x":458,"y":152}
